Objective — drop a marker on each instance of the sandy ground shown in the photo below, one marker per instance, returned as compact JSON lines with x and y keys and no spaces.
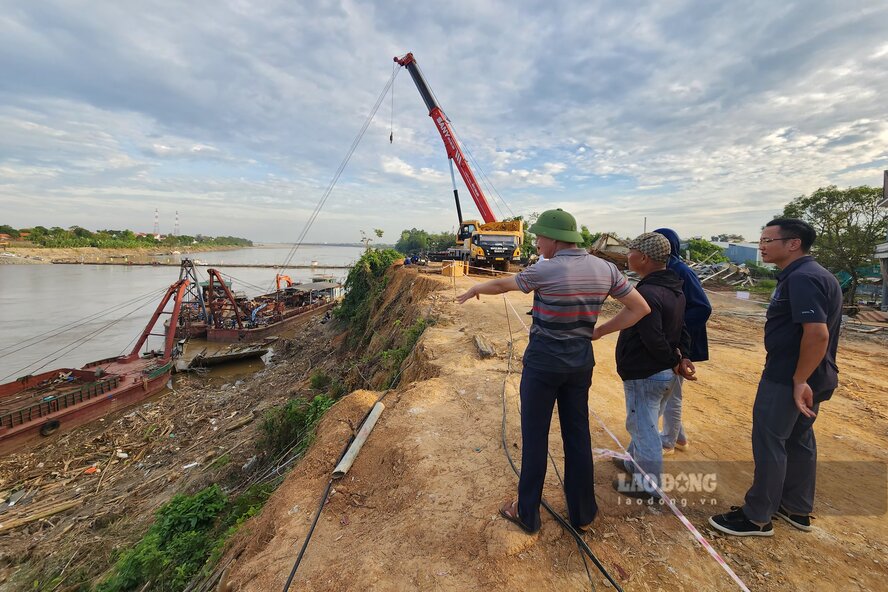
{"x":418,"y":509}
{"x":38,"y":256}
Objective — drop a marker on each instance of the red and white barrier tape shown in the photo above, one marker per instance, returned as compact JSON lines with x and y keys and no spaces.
{"x":647,"y":479}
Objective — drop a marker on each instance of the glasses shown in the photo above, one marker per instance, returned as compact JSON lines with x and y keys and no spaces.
{"x":766,"y":241}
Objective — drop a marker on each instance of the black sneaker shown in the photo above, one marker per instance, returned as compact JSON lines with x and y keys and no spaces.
{"x":736,"y":523}
{"x":800,"y":521}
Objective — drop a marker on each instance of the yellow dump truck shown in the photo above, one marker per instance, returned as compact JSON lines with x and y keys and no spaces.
{"x":492,"y":244}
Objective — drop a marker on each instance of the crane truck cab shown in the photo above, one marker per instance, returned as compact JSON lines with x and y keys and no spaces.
{"x":496,"y":244}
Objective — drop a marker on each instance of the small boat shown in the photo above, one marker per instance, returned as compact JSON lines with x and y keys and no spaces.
{"x":231,"y":353}
{"x":42,"y":404}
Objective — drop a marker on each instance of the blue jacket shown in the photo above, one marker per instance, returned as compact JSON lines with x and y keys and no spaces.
{"x":697,"y":306}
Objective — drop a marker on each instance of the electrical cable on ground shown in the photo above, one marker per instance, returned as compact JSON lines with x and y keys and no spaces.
{"x":669,"y":501}
{"x":583,"y":546}
{"x":326,"y":494}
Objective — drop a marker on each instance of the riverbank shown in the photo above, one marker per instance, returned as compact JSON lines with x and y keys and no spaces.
{"x":418,"y":509}
{"x":43,"y":256}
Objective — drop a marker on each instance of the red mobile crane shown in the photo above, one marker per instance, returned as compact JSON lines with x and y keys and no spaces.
{"x":493,"y":242}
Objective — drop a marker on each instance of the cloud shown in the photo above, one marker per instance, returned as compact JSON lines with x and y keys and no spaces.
{"x":705,"y":116}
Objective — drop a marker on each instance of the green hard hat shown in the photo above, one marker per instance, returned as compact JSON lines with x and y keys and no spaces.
{"x":557,"y":225}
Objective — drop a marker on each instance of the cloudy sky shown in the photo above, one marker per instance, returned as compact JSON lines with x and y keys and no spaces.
{"x":703,"y":116}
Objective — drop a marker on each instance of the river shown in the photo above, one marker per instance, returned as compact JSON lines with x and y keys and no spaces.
{"x":54,"y":316}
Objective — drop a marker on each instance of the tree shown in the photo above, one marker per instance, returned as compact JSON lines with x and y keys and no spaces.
{"x":849,"y":225}
{"x":702,"y":249}
{"x":7,"y":229}
{"x":379,"y":232}
{"x":413,"y":241}
{"x":589,"y":238}
{"x":527,"y":245}
{"x":728,"y":238}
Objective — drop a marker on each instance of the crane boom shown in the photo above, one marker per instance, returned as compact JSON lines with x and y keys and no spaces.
{"x":454,"y":152}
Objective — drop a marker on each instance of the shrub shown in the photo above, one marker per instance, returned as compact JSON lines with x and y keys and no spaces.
{"x":365,"y":281}
{"x":291,"y":425}
{"x":319,"y":380}
{"x":186,"y":539}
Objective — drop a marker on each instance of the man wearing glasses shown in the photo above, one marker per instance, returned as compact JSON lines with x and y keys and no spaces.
{"x":801,"y":338}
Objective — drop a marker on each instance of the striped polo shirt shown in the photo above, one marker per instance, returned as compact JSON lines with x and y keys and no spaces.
{"x":569,"y":290}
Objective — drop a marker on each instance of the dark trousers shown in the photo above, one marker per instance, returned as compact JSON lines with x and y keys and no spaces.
{"x":785,"y":454}
{"x":540,"y":390}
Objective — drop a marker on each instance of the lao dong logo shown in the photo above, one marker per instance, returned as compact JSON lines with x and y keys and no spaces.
{"x":689,"y":482}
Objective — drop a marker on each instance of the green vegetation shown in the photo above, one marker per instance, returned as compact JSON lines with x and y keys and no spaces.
{"x":760,"y":271}
{"x":187,"y":537}
{"x":763,"y":286}
{"x":727,"y":238}
{"x":702,"y":249}
{"x":393,"y":358}
{"x":75,"y":236}
{"x":415,"y":241}
{"x":849,"y":225}
{"x":320,"y":380}
{"x":365,"y":281}
{"x":7,"y":229}
{"x":291,"y":426}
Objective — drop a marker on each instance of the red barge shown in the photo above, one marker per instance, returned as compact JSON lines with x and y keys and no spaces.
{"x":42,"y":404}
{"x":237,"y":319}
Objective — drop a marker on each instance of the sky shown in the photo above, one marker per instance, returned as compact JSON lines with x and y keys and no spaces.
{"x":706,"y":117}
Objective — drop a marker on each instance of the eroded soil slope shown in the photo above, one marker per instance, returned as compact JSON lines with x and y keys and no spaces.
{"x":419,"y":508}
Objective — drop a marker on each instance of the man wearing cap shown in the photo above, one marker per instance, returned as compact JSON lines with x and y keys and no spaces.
{"x":649,"y":356}
{"x":569,"y":288}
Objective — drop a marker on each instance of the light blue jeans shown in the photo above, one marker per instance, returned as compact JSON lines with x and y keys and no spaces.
{"x":670,"y":410}
{"x":644,"y":398}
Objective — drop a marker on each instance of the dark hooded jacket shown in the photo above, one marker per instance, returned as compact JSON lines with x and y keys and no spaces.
{"x":653,"y":343}
{"x":697,"y":306}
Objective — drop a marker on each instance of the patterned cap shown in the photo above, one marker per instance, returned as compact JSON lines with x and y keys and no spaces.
{"x":654,"y":245}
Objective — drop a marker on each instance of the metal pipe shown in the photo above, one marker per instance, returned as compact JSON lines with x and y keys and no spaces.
{"x":353,"y":450}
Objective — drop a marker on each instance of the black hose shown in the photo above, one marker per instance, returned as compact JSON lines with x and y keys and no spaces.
{"x":557,"y":516}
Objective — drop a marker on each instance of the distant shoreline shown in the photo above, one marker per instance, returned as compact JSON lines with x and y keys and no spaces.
{"x":141,"y":256}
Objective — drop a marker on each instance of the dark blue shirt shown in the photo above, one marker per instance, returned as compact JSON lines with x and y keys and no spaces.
{"x":805,"y":293}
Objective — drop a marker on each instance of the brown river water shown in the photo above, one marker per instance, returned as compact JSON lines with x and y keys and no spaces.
{"x":54,"y":316}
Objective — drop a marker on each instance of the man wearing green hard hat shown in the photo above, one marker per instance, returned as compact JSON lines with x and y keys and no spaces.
{"x":568,"y":287}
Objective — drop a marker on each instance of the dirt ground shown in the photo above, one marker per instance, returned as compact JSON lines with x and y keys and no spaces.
{"x":418,"y":510}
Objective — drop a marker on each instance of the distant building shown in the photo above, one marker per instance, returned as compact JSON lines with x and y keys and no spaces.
{"x":740,"y":252}
{"x":882,"y":249}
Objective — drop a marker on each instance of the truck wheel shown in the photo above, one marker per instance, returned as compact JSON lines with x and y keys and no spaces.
{"x":50,"y":427}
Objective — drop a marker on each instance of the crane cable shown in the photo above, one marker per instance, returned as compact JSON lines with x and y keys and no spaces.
{"x":55,"y":332}
{"x":66,"y":349}
{"x":339,"y":170}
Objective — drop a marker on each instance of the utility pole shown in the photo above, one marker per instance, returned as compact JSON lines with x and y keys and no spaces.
{"x":156,"y":223}
{"x":176,"y":227}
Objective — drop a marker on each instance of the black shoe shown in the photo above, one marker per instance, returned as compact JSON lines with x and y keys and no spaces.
{"x":632,"y":488}
{"x":800,"y":521}
{"x":736,"y":523}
